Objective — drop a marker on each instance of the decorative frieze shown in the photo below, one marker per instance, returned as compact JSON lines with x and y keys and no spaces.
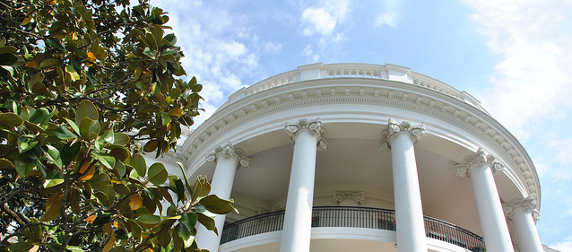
{"x":478,"y":158}
{"x":340,"y":196}
{"x":528,"y":204}
{"x":229,"y":150}
{"x":315,"y":126}
{"x":393,"y":127}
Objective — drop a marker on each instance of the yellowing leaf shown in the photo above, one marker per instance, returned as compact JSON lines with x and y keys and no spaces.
{"x":176,"y":112}
{"x":26,"y":20}
{"x":53,"y":206}
{"x":135,"y":202}
{"x":87,"y":170}
{"x":91,"y":57}
{"x":31,"y":64}
{"x":90,"y":219}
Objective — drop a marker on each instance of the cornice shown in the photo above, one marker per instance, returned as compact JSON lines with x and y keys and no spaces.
{"x":379,"y":92}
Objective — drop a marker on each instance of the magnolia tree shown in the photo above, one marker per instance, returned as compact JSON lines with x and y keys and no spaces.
{"x":81,"y":83}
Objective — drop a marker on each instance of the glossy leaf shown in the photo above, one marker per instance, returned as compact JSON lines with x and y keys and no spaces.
{"x":10,"y":120}
{"x":214,"y":204}
{"x":86,"y":109}
{"x":157,"y":174}
{"x":138,"y":163}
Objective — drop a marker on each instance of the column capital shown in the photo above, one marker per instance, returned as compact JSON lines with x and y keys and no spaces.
{"x":314,"y":126}
{"x":393,"y":128}
{"x":528,"y":204}
{"x":478,"y":158}
{"x":230,"y":151}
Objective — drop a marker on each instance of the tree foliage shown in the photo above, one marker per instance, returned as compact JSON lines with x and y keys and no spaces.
{"x":81,"y":83}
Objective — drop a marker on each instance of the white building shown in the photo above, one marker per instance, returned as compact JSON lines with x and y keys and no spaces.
{"x":405,"y":152}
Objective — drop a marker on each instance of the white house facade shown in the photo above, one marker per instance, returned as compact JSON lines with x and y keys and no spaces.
{"x":362,"y":157}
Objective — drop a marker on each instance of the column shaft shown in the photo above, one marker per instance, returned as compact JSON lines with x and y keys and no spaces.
{"x":228,"y":158}
{"x":298,"y":216}
{"x":523,"y":212}
{"x":410,"y":227}
{"x":491,"y":215}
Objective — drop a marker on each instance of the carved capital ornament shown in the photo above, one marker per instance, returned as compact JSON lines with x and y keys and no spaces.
{"x":230,"y":151}
{"x":314,"y":126}
{"x":478,"y":158}
{"x":394,"y":128}
{"x":528,"y":204}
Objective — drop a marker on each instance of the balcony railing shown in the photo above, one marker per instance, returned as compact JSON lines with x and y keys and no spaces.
{"x":357,"y":217}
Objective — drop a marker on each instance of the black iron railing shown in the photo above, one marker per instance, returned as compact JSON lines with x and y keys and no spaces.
{"x":359,"y":217}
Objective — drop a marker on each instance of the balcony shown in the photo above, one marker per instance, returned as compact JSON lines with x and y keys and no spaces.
{"x":352,"y":217}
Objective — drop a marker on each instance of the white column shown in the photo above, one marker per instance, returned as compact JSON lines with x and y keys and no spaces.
{"x":523,"y":214}
{"x":410,"y":228}
{"x":228,"y":158}
{"x":298,"y":215}
{"x":495,"y":230}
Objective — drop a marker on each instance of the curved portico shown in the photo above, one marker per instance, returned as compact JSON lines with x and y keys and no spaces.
{"x":355,"y":103}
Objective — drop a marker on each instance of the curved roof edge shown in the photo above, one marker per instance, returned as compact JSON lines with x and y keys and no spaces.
{"x":354,"y":70}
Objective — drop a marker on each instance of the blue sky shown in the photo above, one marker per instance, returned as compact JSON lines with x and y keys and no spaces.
{"x":514,"y":56}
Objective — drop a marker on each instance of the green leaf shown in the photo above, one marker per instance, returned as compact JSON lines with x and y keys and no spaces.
{"x":63,"y":133}
{"x":157,"y":174}
{"x":53,"y":155}
{"x":120,"y":138}
{"x":89,"y":128}
{"x":214,"y":204}
{"x":201,"y":188}
{"x":185,"y":234}
{"x":36,"y":79}
{"x":8,"y":59}
{"x":20,"y":247}
{"x":150,"y":146}
{"x":148,"y":220}
{"x":109,"y":137}
{"x":187,"y":184}
{"x":86,"y":109}
{"x":138,"y":163}
{"x":99,"y":181}
{"x":177,"y":186}
{"x":69,"y":152}
{"x":207,"y":221}
{"x":25,"y":144}
{"x":10,"y":120}
{"x":53,"y":179}
{"x":50,"y":62}
{"x":106,"y":160}
{"x":39,"y":116}
{"x":73,"y":125}
{"x":5,"y":164}
{"x":7,"y":49}
{"x":23,"y":165}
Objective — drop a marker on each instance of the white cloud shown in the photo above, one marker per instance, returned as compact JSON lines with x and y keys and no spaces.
{"x":309,"y":53}
{"x":564,"y":246}
{"x":390,"y":13}
{"x":532,"y":81}
{"x":323,"y":20}
{"x":218,"y":45}
{"x":319,"y":21}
